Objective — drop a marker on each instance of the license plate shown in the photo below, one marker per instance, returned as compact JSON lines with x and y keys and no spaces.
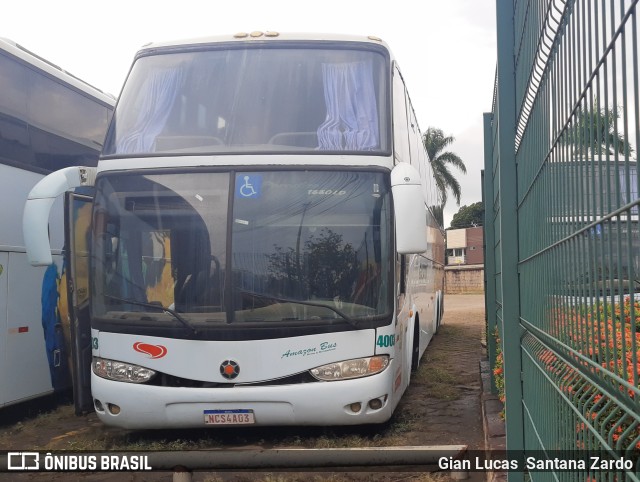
{"x":229,"y":417}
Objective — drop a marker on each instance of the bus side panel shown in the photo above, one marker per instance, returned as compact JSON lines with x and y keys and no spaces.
{"x":4,"y":262}
{"x":25,"y":367}
{"x":24,"y":361}
{"x":425,"y":301}
{"x":15,"y":185}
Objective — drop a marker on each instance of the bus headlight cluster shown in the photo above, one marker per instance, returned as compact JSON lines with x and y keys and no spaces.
{"x":356,"y":368}
{"x":120,"y":371}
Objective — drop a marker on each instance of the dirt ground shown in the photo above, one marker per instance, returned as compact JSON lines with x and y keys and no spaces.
{"x":441,"y":407}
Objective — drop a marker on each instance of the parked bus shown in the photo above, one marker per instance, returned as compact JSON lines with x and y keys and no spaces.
{"x":262,"y":248}
{"x":48,"y":120}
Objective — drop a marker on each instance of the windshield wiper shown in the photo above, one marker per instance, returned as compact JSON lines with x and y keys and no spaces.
{"x":157,"y":306}
{"x":346,"y":317}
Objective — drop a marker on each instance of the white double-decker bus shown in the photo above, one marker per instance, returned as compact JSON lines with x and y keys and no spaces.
{"x":262,"y":245}
{"x":49,"y":120}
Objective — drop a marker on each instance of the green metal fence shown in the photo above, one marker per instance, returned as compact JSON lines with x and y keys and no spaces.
{"x":561,"y":230}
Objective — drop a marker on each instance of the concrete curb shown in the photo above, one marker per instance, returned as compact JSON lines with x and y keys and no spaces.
{"x":494,"y":429}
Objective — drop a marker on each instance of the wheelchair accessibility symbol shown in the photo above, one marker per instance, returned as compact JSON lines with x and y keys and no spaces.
{"x":248,"y":186}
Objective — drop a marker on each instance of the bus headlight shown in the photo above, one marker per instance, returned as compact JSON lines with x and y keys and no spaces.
{"x":356,"y":368}
{"x":120,"y":371}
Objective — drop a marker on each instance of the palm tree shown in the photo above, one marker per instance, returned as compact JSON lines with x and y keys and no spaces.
{"x":594,"y":134}
{"x":435,"y":142}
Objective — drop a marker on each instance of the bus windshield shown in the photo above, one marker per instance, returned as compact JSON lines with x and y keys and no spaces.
{"x":222,"y":248}
{"x":254,"y":99}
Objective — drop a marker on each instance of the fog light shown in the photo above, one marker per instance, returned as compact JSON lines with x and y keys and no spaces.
{"x":355,"y":407}
{"x":375,"y":404}
{"x":98,"y":405}
{"x":113,"y":409}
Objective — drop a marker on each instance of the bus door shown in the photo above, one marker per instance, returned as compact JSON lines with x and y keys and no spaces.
{"x":77,"y":231}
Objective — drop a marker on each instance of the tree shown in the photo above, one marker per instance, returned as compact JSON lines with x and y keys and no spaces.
{"x":326,"y":266}
{"x":594,"y":134}
{"x":469,"y":216}
{"x":435,"y":143}
{"x":438,"y":214}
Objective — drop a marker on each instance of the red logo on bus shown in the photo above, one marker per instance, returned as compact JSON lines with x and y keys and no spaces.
{"x":154,"y":351}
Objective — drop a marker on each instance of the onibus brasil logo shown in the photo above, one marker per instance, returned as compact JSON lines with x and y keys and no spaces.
{"x":34,"y":461}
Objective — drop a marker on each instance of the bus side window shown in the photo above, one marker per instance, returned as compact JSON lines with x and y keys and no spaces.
{"x":414,"y":138}
{"x":400,"y":124}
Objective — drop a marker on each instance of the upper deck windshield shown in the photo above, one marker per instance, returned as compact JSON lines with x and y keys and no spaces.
{"x":283,"y":247}
{"x":254,"y":99}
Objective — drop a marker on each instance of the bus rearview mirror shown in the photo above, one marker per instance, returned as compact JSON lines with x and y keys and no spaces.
{"x":409,"y":209}
{"x":35,"y":217}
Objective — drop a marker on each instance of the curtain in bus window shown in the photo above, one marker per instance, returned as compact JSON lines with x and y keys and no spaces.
{"x":629,"y":194}
{"x":158,"y":96}
{"x":352,"y":115}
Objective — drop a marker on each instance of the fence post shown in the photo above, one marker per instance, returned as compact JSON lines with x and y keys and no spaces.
{"x":508,"y":213}
{"x":488,"y":197}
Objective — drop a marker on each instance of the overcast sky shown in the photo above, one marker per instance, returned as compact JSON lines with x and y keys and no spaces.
{"x":445,"y":48}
